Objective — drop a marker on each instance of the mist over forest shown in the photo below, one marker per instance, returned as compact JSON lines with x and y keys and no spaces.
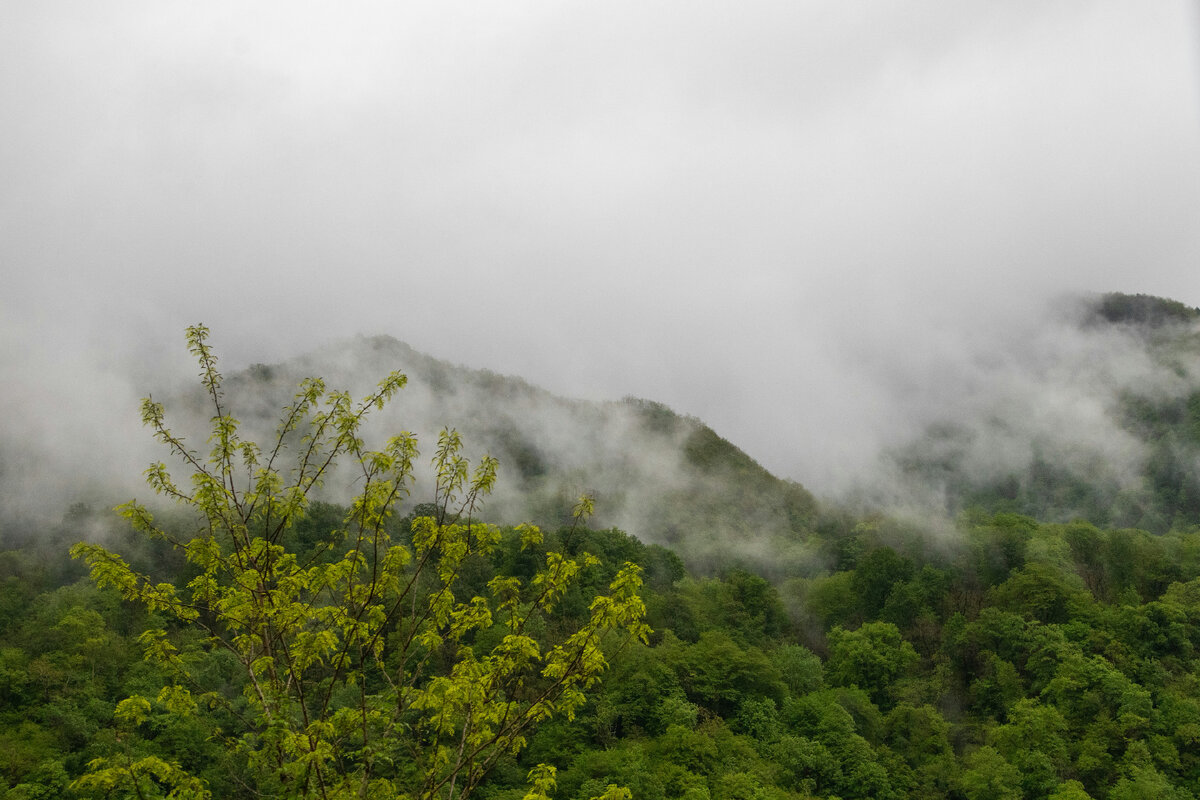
{"x":1092,"y":398}
{"x":1002,"y":602}
{"x":802,"y":400}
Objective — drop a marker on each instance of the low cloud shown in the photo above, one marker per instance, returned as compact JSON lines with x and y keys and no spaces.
{"x":799,"y":222}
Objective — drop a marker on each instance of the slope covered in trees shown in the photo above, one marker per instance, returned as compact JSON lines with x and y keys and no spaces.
{"x":1024,"y":660}
{"x":1097,"y":417}
{"x":663,"y":477}
{"x":1036,"y":645}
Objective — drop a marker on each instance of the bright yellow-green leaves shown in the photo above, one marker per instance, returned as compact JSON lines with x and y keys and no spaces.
{"x":132,"y":711}
{"x":531,"y":536}
{"x":144,"y":778}
{"x":542,"y":780}
{"x":585,"y":507}
{"x":148,"y":776}
{"x":177,"y":700}
{"x":361,"y":672}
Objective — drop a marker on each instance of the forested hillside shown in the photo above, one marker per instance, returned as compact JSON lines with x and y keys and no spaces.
{"x":1034,"y":633}
{"x":1096,"y":417}
{"x":1026,"y":660}
{"x":661,"y":476}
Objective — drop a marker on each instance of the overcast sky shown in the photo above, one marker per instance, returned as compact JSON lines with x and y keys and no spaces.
{"x":769,"y":215}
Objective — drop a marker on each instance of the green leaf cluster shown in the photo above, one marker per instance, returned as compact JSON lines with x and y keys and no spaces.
{"x":366,"y":669}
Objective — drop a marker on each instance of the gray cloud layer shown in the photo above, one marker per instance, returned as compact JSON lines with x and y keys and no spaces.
{"x":788,"y":219}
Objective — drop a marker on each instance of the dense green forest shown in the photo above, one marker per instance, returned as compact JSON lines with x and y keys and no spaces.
{"x":1044,"y":642}
{"x":1023,"y":660}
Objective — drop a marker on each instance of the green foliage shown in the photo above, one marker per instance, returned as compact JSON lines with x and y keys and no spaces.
{"x":875,"y":575}
{"x":872,"y":657}
{"x":989,"y":777}
{"x":362,"y":666}
{"x":719,"y":674}
{"x":298,"y":646}
{"x":799,"y":668}
{"x":1034,"y":679}
{"x":1069,"y":790}
{"x":1041,"y":592}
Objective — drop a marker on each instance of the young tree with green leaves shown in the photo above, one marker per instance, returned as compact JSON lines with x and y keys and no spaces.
{"x":364,"y":670}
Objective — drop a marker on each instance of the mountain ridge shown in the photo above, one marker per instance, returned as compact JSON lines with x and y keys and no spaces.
{"x":664,"y":477}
